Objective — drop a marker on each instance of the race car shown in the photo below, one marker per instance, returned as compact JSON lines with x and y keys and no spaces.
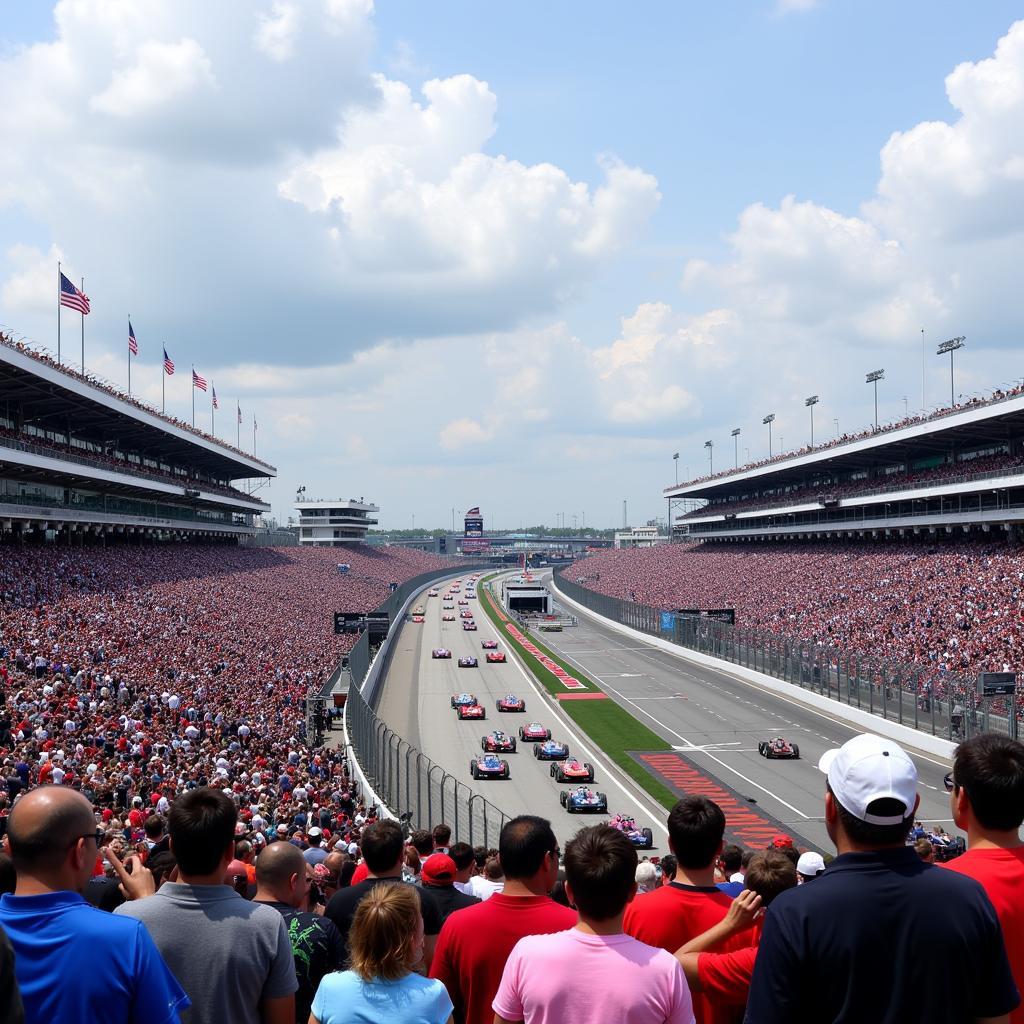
{"x":549,"y":750}
{"x":431,"y":593}
{"x":417,"y":618}
{"x":471,"y":711}
{"x":440,"y":652}
{"x":510,"y":702}
{"x":583,"y":800}
{"x":466,"y":613}
{"x":447,"y":607}
{"x":499,"y":741}
{"x":469,"y":626}
{"x":489,"y":645}
{"x":468,"y":662}
{"x":488,"y":767}
{"x":497,"y":658}
{"x":463,"y":601}
{"x":447,"y":617}
{"x":550,"y":627}
{"x":641,"y":837}
{"x":463,"y":699}
{"x":534,"y":733}
{"x":419,"y":610}
{"x":573,"y":770}
{"x":778,"y":748}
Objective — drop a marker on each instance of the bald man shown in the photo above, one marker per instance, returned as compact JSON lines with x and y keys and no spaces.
{"x":282,"y":883}
{"x":74,"y":962}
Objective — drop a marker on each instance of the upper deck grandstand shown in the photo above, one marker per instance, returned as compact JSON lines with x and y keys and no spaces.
{"x":961,"y":468}
{"x":78,"y":456}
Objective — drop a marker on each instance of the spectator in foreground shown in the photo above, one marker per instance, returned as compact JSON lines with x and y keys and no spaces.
{"x":74,"y":962}
{"x":386,"y":944}
{"x":232,"y":957}
{"x":868,"y":911}
{"x":475,"y":943}
{"x":988,"y":804}
{"x":594,"y":971}
{"x":11,"y":1009}
{"x":282,"y":881}
{"x":438,"y":877}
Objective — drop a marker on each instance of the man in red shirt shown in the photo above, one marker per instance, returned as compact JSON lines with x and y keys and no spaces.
{"x":987,"y":795}
{"x":475,"y":943}
{"x":690,"y":904}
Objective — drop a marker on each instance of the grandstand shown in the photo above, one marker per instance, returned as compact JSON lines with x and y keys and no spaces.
{"x":959,"y":471}
{"x":78,"y":458}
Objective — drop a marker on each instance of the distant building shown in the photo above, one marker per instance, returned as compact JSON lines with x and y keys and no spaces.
{"x":334,"y":524}
{"x":639,"y":537}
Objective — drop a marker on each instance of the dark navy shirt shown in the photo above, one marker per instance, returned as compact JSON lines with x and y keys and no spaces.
{"x":881,"y":937}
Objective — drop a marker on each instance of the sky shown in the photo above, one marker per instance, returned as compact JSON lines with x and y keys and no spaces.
{"x":518,"y":255}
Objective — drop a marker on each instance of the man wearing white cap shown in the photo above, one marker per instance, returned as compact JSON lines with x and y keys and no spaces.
{"x":809,"y":866}
{"x":880,"y":936}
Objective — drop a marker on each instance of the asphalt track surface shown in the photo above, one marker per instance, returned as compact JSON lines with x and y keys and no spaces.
{"x":416,"y":703}
{"x":715,"y":720}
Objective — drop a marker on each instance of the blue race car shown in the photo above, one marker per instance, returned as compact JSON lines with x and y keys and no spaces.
{"x":583,"y":800}
{"x":550,"y":750}
{"x":489,"y":767}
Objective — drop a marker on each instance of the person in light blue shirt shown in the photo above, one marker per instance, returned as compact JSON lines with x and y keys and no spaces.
{"x":75,"y":963}
{"x":385,"y":943}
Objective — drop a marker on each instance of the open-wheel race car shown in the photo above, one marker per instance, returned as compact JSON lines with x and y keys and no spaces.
{"x":583,"y":800}
{"x":469,"y":626}
{"x":489,"y":767}
{"x":497,"y":658}
{"x":447,"y":607}
{"x":431,"y":593}
{"x":440,"y":652}
{"x":498,"y":742}
{"x":463,"y":699}
{"x":448,"y":617}
{"x":534,"y":733}
{"x":418,"y":619}
{"x":510,"y":702}
{"x":778,"y":748}
{"x":465,"y":614}
{"x":471,"y":711}
{"x":489,"y":645}
{"x":572,"y":770}
{"x":468,"y":662}
{"x":640,"y":837}
{"x":463,"y":601}
{"x":419,"y":610}
{"x":550,"y":750}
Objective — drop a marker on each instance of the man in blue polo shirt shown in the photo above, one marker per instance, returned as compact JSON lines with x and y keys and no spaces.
{"x":75,"y":963}
{"x":880,"y":936}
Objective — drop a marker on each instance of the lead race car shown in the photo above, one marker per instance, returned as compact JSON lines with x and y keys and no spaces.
{"x":640,"y":837}
{"x":572,"y":770}
{"x":534,"y":733}
{"x":440,"y":652}
{"x":778,"y":749}
{"x":510,"y":702}
{"x":583,"y":800}
{"x":550,"y":750}
{"x":489,"y":767}
{"x":499,"y":742}
{"x":468,"y":662}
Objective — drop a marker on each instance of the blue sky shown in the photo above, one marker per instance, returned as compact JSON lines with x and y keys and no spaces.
{"x":526,"y":293}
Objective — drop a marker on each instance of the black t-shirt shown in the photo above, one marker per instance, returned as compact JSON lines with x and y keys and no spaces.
{"x":881,"y":937}
{"x":317,"y":949}
{"x":342,"y":907}
{"x":449,"y":899}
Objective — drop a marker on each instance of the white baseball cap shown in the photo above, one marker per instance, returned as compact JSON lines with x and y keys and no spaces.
{"x":869,"y":768}
{"x":810,"y":864}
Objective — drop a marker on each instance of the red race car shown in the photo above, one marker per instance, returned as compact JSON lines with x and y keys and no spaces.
{"x":572,"y":770}
{"x":417,"y":618}
{"x":466,"y":613}
{"x":471,"y":711}
{"x":510,"y":702}
{"x":496,"y":658}
{"x":534,"y":733}
{"x":440,"y":652}
{"x":778,"y":748}
{"x":489,"y":645}
{"x":498,"y":742}
{"x":447,"y":617}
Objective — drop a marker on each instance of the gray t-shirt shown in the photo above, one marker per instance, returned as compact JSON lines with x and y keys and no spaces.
{"x":227,"y":953}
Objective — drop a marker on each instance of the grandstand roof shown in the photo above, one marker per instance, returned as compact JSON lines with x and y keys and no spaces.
{"x":49,"y":395}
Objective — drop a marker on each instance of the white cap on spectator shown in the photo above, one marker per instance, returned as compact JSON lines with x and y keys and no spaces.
{"x":869,"y":768}
{"x":810,"y":864}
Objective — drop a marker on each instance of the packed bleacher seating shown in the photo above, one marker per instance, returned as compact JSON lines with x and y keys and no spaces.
{"x":39,"y":353}
{"x":983,"y":466}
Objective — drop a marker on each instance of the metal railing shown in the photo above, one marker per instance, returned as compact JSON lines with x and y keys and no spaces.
{"x":947,"y":706}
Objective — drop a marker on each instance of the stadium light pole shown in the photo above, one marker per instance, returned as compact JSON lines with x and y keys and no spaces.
{"x":951,"y":346}
{"x":675,"y":459}
{"x":710,"y":445}
{"x":811,"y":403}
{"x":736,"y":445}
{"x":769,"y":419}
{"x":873,"y":378}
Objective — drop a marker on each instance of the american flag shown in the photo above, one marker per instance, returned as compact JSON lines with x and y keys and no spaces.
{"x":216,"y":404}
{"x":197,"y":381}
{"x":133,"y":345}
{"x":168,"y":364}
{"x":239,"y":414}
{"x":473,"y":511}
{"x":71,"y":297}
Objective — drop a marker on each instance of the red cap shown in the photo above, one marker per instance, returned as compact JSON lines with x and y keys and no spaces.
{"x":781,"y":842}
{"x":438,"y":869}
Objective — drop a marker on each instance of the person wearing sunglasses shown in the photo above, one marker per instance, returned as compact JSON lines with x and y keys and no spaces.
{"x":73,"y":962}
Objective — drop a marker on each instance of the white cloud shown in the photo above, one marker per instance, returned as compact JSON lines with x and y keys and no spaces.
{"x":462,"y":432}
{"x":276,"y":31}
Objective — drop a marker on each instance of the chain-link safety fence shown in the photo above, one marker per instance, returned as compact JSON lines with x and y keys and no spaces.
{"x":932,"y":701}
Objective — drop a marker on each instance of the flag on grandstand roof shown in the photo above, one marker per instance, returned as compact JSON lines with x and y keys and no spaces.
{"x":168,"y":364}
{"x":133,"y":345}
{"x":216,"y":404}
{"x":197,"y":381}
{"x":473,"y":511}
{"x":239,"y":414}
{"x":71,"y":297}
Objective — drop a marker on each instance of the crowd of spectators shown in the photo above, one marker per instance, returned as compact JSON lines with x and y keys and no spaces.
{"x":951,"y":610}
{"x":973,"y":402}
{"x":41,"y":355}
{"x":986,"y":465}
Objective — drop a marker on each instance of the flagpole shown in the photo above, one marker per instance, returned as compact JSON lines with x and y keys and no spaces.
{"x":163,"y":385}
{"x":213,"y":422}
{"x":254,"y":435}
{"x":83,"y":332}
{"x":193,"y":396}
{"x":129,"y":357}
{"x":58,"y":311}
{"x":238,"y":425}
